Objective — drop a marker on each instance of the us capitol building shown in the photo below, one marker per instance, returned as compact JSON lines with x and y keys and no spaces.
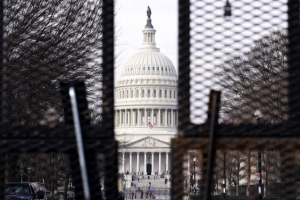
{"x":146,"y":109}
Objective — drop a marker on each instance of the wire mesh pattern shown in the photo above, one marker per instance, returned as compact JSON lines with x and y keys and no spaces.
{"x":50,"y":47}
{"x":251,"y":55}
{"x":248,"y":51}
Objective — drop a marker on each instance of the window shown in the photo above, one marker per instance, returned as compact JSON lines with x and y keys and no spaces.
{"x":131,"y":94}
{"x":143,"y":68}
{"x":159,"y":93}
{"x":174,"y":94}
{"x":137,"y":94}
{"x":143,"y":93}
{"x":170,"y":95}
{"x":157,"y":68}
{"x":148,"y":93}
{"x":127,"y":94}
{"x":154,"y":93}
{"x":162,"y":69}
{"x":149,"y":68}
{"x":153,"y":68}
{"x":123,"y":94}
{"x":120,"y":95}
{"x":166,"y":93}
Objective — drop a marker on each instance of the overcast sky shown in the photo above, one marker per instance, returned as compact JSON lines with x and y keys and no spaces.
{"x":213,"y":38}
{"x":131,"y":19}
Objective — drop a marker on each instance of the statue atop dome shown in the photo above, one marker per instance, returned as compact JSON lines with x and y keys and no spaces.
{"x":149,"y":12}
{"x":149,"y":25}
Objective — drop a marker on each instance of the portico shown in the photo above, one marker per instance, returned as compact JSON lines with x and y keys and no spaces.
{"x":145,"y":157}
{"x":135,"y":163}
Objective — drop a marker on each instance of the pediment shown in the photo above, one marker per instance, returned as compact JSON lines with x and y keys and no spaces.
{"x":149,"y":142}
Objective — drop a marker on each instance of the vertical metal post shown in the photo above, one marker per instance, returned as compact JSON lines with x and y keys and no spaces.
{"x":224,"y":176}
{"x":108,"y":68}
{"x":259,"y":176}
{"x":194,"y":172}
{"x":183,"y":67}
{"x":80,"y":148}
{"x":213,"y":115}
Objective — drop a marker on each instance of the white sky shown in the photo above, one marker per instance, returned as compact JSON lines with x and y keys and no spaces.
{"x":131,"y":19}
{"x":213,"y":38}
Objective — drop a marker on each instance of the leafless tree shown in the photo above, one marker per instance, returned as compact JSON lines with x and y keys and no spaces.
{"x":256,"y":80}
{"x":47,"y":42}
{"x":51,"y":168}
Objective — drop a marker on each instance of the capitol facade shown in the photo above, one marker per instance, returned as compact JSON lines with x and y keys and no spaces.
{"x":146,"y":109}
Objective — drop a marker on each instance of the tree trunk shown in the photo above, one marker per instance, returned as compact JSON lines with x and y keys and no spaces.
{"x":66,"y":188}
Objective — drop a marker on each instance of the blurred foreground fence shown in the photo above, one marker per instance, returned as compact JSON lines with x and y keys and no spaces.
{"x":249,"y":135}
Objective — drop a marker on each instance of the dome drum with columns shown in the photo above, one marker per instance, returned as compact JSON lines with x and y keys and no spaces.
{"x":145,"y":96}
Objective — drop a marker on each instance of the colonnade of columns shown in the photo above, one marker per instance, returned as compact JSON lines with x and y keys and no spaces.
{"x":142,"y":116}
{"x":136,"y":162}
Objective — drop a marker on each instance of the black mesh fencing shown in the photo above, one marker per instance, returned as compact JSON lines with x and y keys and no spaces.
{"x":57,"y":67}
{"x":54,"y":57}
{"x":246,"y":145}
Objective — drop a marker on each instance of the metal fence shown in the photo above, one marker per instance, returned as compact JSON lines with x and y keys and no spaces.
{"x":57,"y":98}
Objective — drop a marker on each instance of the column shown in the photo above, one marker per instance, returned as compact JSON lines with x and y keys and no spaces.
{"x":159,"y":163}
{"x":188,"y":163}
{"x":175,"y":118}
{"x":139,"y":117}
{"x":145,"y":117}
{"x":120,"y":118}
{"x":123,"y":161}
{"x":145,"y":163}
{"x":137,"y":162}
{"x":125,"y":117}
{"x":152,"y":162}
{"x":167,"y":161}
{"x":129,"y":117}
{"x":158,"y":117}
{"x":130,"y":162}
{"x":152,"y":116}
{"x":172,"y":117}
{"x":166,"y":117}
{"x":132,"y":119}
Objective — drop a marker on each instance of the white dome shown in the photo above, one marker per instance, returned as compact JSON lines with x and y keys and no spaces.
{"x":149,"y":62}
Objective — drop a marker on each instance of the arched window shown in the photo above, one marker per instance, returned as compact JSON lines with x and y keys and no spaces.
{"x":159,"y":93}
{"x":166,"y":93}
{"x":154,"y":93}
{"x":143,"y":93}
{"x":148,"y":95}
{"x":137,"y":94}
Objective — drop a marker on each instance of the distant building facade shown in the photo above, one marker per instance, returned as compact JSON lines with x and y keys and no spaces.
{"x":146,"y":109}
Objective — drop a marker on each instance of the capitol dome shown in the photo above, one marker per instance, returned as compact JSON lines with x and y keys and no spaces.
{"x":149,"y":61}
{"x":146,"y":107}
